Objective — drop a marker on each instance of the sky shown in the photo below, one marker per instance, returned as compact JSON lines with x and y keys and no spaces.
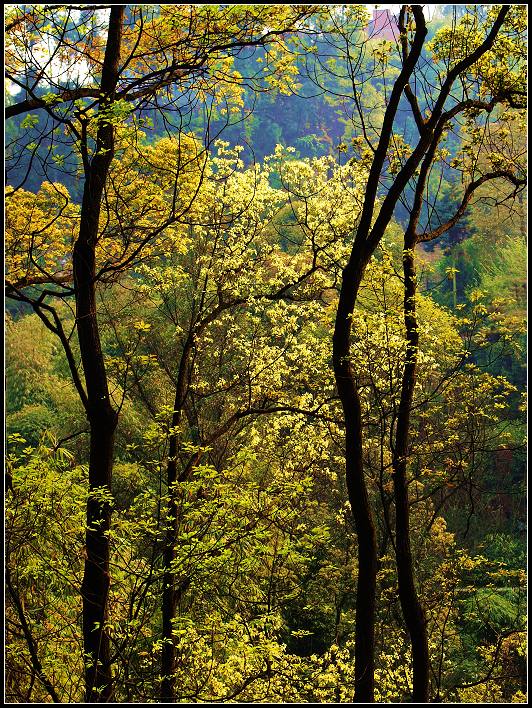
{"x":428,"y":9}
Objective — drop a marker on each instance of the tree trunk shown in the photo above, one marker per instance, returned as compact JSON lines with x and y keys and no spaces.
{"x":368,"y":236}
{"x":356,"y":488}
{"x":95,"y":588}
{"x":100,"y":413}
{"x":170,"y":591}
{"x":411,"y":606}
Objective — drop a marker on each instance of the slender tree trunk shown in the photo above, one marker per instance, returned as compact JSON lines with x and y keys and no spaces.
{"x":356,"y":487}
{"x":522,"y":216}
{"x":171,"y":592}
{"x":37,"y":669}
{"x":101,"y":415}
{"x":410,"y":604}
{"x":453,"y":267}
{"x":368,"y":236}
{"x":95,"y":587}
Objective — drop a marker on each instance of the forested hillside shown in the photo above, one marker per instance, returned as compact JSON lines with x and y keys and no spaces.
{"x":265,"y":353}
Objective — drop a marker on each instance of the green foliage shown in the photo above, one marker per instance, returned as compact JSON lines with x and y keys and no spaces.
{"x":45,"y":510}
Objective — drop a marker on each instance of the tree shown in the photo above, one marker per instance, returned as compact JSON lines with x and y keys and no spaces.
{"x":475,"y":79}
{"x":135,"y":60}
{"x":232,"y":271}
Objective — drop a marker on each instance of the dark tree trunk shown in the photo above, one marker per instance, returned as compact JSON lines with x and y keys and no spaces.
{"x":410,"y":604}
{"x":356,"y":487}
{"x":95,"y":588}
{"x":367,"y":239}
{"x":171,"y":592}
{"x":101,"y":415}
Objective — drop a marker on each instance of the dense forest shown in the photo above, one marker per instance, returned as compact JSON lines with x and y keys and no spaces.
{"x":265,"y":353}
